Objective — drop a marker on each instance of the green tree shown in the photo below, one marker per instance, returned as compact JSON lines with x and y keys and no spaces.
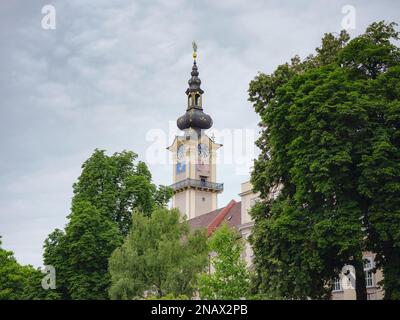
{"x":33,"y":289}
{"x":115,"y":185}
{"x":19,"y":282}
{"x":80,"y":254}
{"x":11,"y":276}
{"x":378,"y":62}
{"x":163,"y":195}
{"x":160,"y":257}
{"x":55,"y":254}
{"x":90,"y":239}
{"x":229,"y":278}
{"x":329,"y":134}
{"x":106,"y":192}
{"x":168,"y":297}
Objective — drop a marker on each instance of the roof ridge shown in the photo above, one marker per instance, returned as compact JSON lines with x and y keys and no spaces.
{"x":220,"y":216}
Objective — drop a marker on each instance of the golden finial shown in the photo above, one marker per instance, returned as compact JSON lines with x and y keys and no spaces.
{"x":194,"y":45}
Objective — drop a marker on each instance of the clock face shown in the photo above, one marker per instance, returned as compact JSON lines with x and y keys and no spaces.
{"x":180,"y":154}
{"x":203,"y":150}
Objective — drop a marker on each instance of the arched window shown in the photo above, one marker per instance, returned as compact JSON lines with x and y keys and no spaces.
{"x":197,"y":100}
{"x":190,"y":100}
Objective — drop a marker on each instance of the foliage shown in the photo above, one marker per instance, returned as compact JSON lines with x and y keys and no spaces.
{"x":90,"y":238}
{"x":159,"y":257}
{"x":33,"y":289}
{"x":106,"y":192}
{"x":168,"y":297}
{"x":80,"y":254}
{"x":19,"y":282}
{"x":330,"y":144}
{"x":115,"y":185}
{"x":55,"y":254}
{"x":229,"y":278}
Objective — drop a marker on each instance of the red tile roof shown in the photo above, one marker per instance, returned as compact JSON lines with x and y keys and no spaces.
{"x":231,"y":214}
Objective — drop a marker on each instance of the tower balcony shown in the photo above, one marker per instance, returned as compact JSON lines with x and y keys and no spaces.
{"x":198,"y":184}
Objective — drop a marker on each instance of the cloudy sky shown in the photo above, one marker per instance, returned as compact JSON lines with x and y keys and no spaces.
{"x":112,"y":75}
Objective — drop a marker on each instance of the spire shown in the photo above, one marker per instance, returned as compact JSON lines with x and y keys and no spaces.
{"x":194,"y":117}
{"x":194,"y":81}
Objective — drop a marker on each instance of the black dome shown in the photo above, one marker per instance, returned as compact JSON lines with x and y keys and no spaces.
{"x":194,"y":118}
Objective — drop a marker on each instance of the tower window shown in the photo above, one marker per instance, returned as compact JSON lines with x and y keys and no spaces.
{"x":204,"y":199}
{"x":190,"y":100}
{"x":197,"y":100}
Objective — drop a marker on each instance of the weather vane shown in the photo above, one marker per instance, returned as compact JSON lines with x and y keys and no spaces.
{"x":194,"y":45}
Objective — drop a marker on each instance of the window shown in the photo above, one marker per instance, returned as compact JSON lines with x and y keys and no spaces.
{"x":337,"y":286}
{"x":368,"y":278}
{"x":367,"y":263}
{"x":368,"y":270}
{"x":197,"y":100}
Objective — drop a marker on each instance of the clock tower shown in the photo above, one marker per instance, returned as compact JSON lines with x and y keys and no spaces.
{"x":194,"y":154}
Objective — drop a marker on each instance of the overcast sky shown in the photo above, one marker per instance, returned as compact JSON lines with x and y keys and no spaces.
{"x":113,"y":72}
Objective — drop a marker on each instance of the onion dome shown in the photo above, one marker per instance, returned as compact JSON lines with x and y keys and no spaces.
{"x":194,"y":117}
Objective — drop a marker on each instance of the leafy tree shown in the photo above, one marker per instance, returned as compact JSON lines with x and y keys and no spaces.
{"x":163,"y":195}
{"x":229,"y":278}
{"x":90,"y":239}
{"x":106,"y":192}
{"x":55,"y":254}
{"x":11,"y":276}
{"x":115,"y":185}
{"x":379,"y":181}
{"x":19,"y":282}
{"x":159,"y":257}
{"x":330,"y":144}
{"x":80,"y":254}
{"x":168,"y":297}
{"x":33,"y":289}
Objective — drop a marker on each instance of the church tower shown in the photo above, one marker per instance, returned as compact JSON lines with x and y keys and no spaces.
{"x":194,"y":154}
